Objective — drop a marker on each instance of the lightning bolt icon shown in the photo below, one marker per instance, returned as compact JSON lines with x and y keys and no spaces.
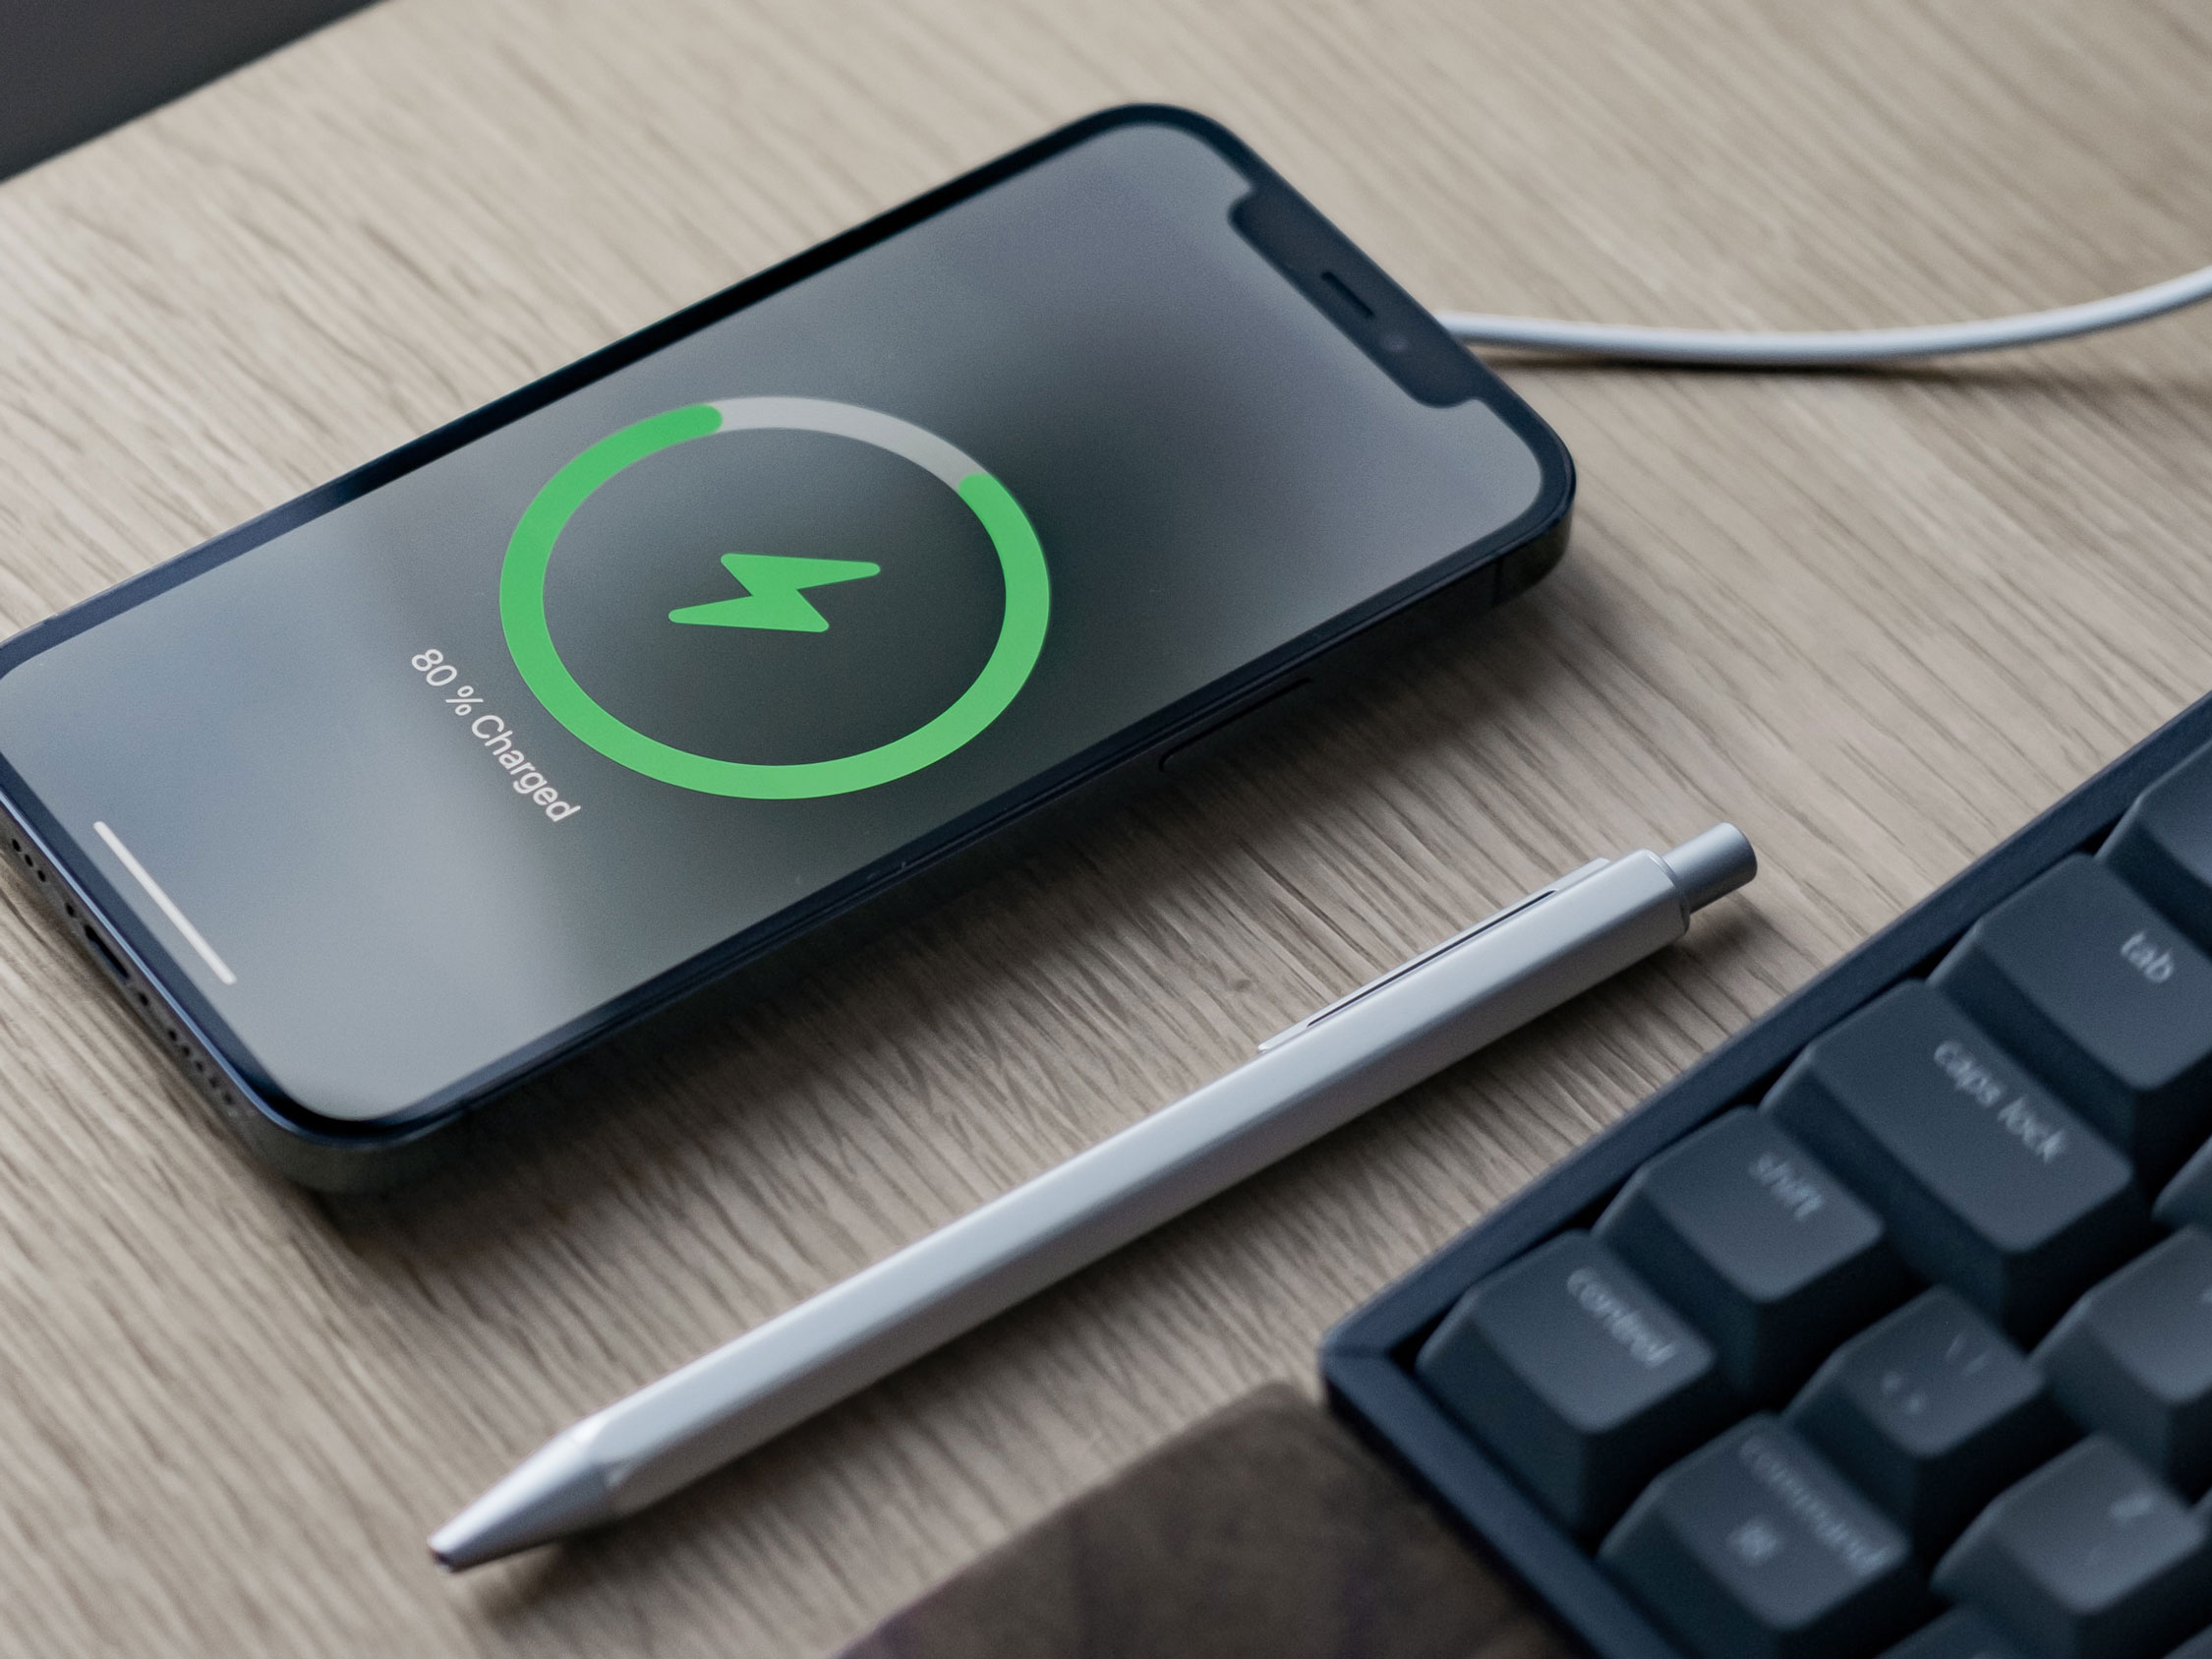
{"x":774,"y":596}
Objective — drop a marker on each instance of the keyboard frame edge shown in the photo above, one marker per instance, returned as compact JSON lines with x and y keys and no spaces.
{"x":1365,"y":1360}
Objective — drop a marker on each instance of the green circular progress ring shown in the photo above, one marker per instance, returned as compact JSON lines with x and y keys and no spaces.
{"x":1022,"y":630}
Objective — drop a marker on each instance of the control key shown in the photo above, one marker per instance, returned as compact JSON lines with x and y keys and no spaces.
{"x":1573,"y":1371}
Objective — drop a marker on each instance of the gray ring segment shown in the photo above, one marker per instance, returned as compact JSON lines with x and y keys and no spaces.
{"x":924,"y":448}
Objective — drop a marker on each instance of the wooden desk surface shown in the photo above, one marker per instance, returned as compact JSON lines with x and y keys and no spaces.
{"x":1877,"y":619}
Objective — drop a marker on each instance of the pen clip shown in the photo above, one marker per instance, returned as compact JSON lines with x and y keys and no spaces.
{"x":1517,"y":908}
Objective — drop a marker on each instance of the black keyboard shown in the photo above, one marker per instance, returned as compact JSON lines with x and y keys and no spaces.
{"x":1886,"y":1328}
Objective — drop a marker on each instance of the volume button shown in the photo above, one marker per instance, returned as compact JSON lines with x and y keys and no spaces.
{"x":1231,"y":729}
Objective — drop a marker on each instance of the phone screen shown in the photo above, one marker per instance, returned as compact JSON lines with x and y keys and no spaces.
{"x":417,"y":784}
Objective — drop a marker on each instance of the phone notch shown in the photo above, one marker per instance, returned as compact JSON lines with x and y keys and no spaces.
{"x":1387,"y":322}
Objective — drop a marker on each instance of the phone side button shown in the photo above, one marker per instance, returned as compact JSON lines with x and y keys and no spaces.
{"x":1199,"y":751}
{"x":1528,"y":565}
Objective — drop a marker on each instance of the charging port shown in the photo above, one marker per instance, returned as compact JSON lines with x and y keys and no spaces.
{"x":114,"y":962}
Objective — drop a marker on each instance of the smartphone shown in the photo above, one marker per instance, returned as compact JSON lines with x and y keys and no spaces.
{"x":710,"y":655}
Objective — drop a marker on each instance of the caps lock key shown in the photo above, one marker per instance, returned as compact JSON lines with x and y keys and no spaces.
{"x":1989,"y":1185}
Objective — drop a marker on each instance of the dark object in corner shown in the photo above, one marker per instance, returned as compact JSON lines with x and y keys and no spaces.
{"x":1265,"y":1530}
{"x":75,"y":68}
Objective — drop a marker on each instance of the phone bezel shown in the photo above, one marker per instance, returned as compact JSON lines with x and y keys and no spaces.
{"x":149,"y":956}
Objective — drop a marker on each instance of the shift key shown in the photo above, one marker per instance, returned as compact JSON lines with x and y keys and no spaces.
{"x":2082,"y":979}
{"x":1987,"y":1183}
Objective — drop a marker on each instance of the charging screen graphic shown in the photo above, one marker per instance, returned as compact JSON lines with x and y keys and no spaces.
{"x":446,"y":771}
{"x":775,"y":600}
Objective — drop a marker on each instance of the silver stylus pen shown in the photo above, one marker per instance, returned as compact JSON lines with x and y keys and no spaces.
{"x":1325,"y":1070}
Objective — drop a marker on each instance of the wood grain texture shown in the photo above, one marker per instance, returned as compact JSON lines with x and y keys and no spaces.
{"x":1877,"y":619}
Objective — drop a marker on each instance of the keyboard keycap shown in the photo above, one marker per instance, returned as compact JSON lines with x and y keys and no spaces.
{"x":1930,"y":1414}
{"x":1765,"y":1251}
{"x":1574,"y":1372}
{"x":2135,"y":1359}
{"x":1960,"y":1634}
{"x":2187,"y":1200}
{"x":2088,"y":1558}
{"x":2163,"y":847}
{"x":1754,"y":1548}
{"x":1987,"y":1183}
{"x":2088,"y":985}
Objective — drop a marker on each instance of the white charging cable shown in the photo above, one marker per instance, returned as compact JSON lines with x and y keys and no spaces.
{"x":1777,"y":350}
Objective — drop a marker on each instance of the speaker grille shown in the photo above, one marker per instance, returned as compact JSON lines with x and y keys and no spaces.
{"x":145,"y":998}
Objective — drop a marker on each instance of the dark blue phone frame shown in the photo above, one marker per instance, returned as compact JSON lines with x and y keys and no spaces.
{"x":324,"y":1151}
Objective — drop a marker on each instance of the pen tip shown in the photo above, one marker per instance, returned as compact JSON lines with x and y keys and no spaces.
{"x":558,"y":1491}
